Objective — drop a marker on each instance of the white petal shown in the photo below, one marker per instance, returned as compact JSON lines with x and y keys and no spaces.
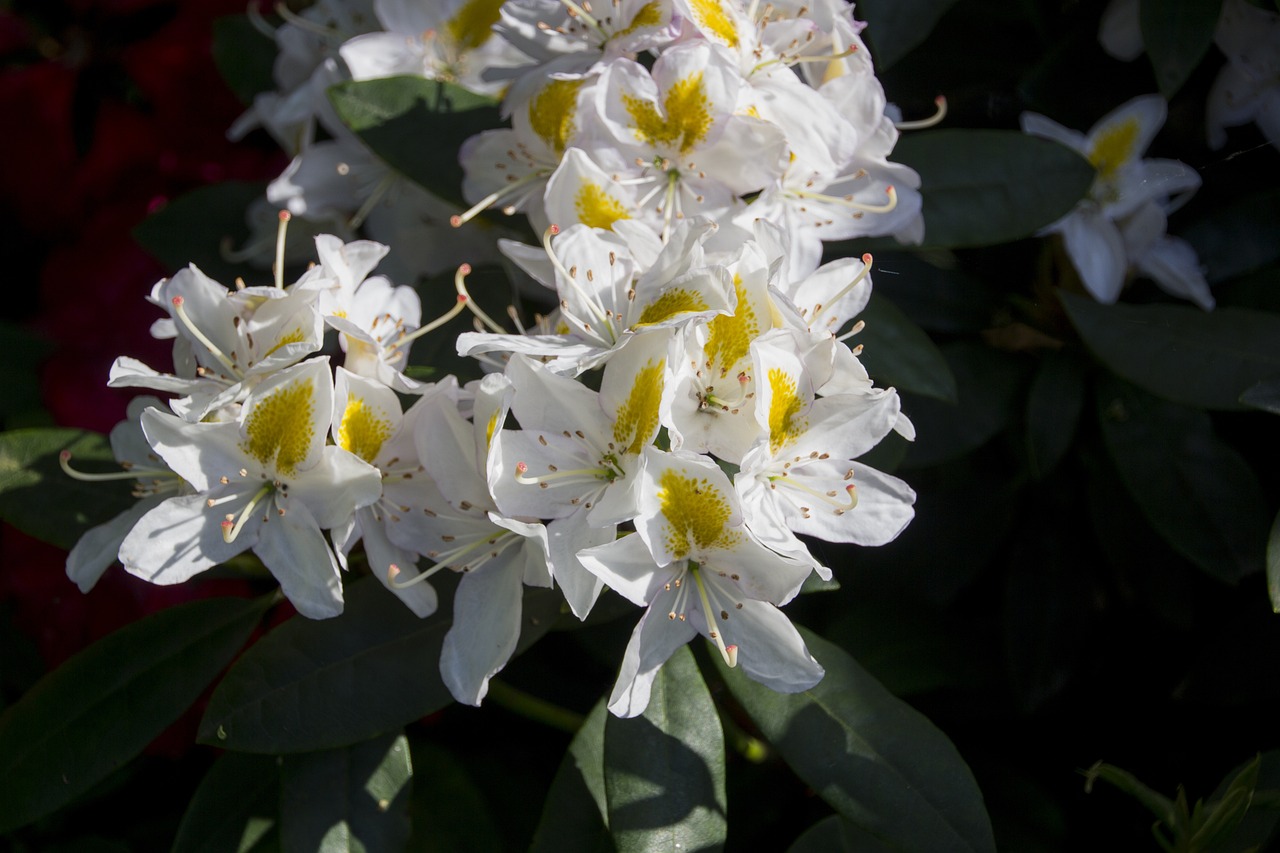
{"x":565,"y":539}
{"x":627,"y":567}
{"x":96,"y":550}
{"x":293,"y":549}
{"x":486,"y":627}
{"x":1097,"y":251}
{"x":653,"y":641}
{"x":178,"y":539}
{"x":770,"y":649}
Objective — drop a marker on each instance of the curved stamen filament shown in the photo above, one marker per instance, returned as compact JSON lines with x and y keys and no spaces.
{"x":857,"y":327}
{"x":743,"y":381}
{"x":588,"y":474}
{"x":828,"y":497}
{"x":940,"y":112}
{"x":457,"y":309}
{"x":793,"y":60}
{"x":729,"y":653}
{"x":393,"y":571}
{"x":357,"y":219}
{"x":280,"y":232}
{"x":668,"y":204}
{"x":576,"y":11}
{"x":180,"y":310}
{"x":499,"y":542}
{"x":570,"y":276}
{"x":465,"y":300}
{"x":259,"y":23}
{"x":847,"y":201}
{"x":866,"y":268}
{"x":64,"y":461}
{"x":231,"y":526}
{"x":302,"y":23}
{"x":458,"y":220}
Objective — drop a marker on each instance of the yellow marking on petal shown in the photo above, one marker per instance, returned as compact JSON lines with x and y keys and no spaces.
{"x":362,"y":430}
{"x":669,"y":304}
{"x":714,"y":20}
{"x":340,"y":313}
{"x":785,"y":422}
{"x":281,"y":428}
{"x":637,"y":418}
{"x":730,"y":335}
{"x":473,"y":24}
{"x":688,"y":115}
{"x":650,"y":15}
{"x":552,"y":112}
{"x":696,"y":513}
{"x":489,"y":429}
{"x":562,"y":328}
{"x":1114,"y":147}
{"x":597,"y":208}
{"x":297,"y":336}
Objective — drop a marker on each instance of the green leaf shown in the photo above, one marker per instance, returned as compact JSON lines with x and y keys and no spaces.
{"x":354,"y":798}
{"x":99,"y":709}
{"x":19,"y":378}
{"x":37,"y":496}
{"x":416,"y":125}
{"x":1265,"y":396}
{"x":235,"y":806}
{"x":933,"y":292}
{"x":871,"y":756}
{"x":1177,"y":35}
{"x":450,"y":813}
{"x":1257,"y":828}
{"x":575,"y":814}
{"x":834,"y":834}
{"x":320,"y":684}
{"x":1179,"y":352}
{"x":244,"y":55}
{"x":983,"y":187}
{"x":1198,"y":493}
{"x":895,"y":27}
{"x":195,"y":227}
{"x":1053,"y":410}
{"x":1238,"y":238}
{"x":1273,"y":564}
{"x":664,"y":770}
{"x":897,"y":352}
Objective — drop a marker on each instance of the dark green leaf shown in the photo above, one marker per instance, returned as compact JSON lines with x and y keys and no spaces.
{"x":932,"y":291}
{"x":1273,"y":564}
{"x":575,"y":812}
{"x":664,"y":770}
{"x":450,"y":813}
{"x":312,"y":684}
{"x":19,"y":380}
{"x":235,"y":806}
{"x":100,"y":708}
{"x":1177,"y":35}
{"x":1239,"y":238}
{"x":983,"y":187}
{"x":41,"y":500}
{"x":897,"y":352}
{"x":834,"y":834}
{"x":1258,"y":828}
{"x":354,"y":798}
{"x":1179,"y":352}
{"x":416,"y":125}
{"x":894,"y":27}
{"x":1053,"y":410}
{"x":1198,"y":493}
{"x":1265,"y":395}
{"x":871,"y":756}
{"x":196,"y":227}
{"x":244,"y":56}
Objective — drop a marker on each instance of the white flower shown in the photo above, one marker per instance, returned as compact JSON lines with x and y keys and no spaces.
{"x":1248,"y":87}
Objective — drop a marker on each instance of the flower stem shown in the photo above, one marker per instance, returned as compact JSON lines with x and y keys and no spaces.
{"x":533,"y":708}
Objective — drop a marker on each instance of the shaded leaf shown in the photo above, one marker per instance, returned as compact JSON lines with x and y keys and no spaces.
{"x":664,"y":770}
{"x":1273,"y":564}
{"x":416,"y":125}
{"x":354,"y":798}
{"x":872,"y":757}
{"x":37,"y":496}
{"x":319,"y":684}
{"x":1238,"y":238}
{"x":449,"y":812}
{"x":20,"y":393}
{"x":1257,"y":829}
{"x":932,"y":291}
{"x":235,"y":806}
{"x":1179,"y":352}
{"x":897,"y":352}
{"x":244,"y":55}
{"x":1053,"y":410}
{"x":834,"y":834}
{"x":193,"y":228}
{"x":1198,"y":493}
{"x":1177,"y":35}
{"x":895,"y":27}
{"x":576,"y":809}
{"x":983,"y":187}
{"x":99,"y":709}
{"x":1265,"y":395}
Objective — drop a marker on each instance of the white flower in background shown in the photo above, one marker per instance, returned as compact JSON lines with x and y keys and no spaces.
{"x":1248,"y":87}
{"x":547,"y":30}
{"x":696,"y":570}
{"x":267,"y":482}
{"x":1120,"y":30}
{"x":1126,"y":185}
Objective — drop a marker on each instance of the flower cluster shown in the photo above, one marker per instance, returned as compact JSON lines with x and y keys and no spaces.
{"x":686,"y":410}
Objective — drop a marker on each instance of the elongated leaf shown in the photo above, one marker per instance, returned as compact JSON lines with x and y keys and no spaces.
{"x":897,"y":352}
{"x":835,"y":834}
{"x":313,"y":685}
{"x":1182,"y":353}
{"x":895,"y":27}
{"x":1265,"y":396}
{"x":450,"y":813}
{"x":416,"y":125}
{"x":354,"y":798}
{"x":576,"y":810}
{"x":1053,"y":410}
{"x":983,"y":187}
{"x":1273,"y":564}
{"x":234,"y":807}
{"x":1258,"y":828}
{"x":1238,"y":238}
{"x":664,"y":770}
{"x":1177,"y":35}
{"x":37,"y":496}
{"x":18,"y":374}
{"x":100,"y":708}
{"x":871,"y":756}
{"x":244,"y":56}
{"x":194,"y":228}
{"x":1197,"y":492}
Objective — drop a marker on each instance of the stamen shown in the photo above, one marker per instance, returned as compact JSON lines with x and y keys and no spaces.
{"x":729,"y":653}
{"x":866,"y":268}
{"x":64,"y":460}
{"x":181,"y":312}
{"x":458,"y":220}
{"x":393,"y":571}
{"x":465,"y":300}
{"x":840,"y":507}
{"x":357,"y":219}
{"x":302,"y":23}
{"x":457,"y":309}
{"x":590,"y":474}
{"x":857,"y":327}
{"x":570,"y":276}
{"x":940,"y":112}
{"x":847,"y":201}
{"x":280,"y":232}
{"x":231,"y":529}
{"x":793,"y":60}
